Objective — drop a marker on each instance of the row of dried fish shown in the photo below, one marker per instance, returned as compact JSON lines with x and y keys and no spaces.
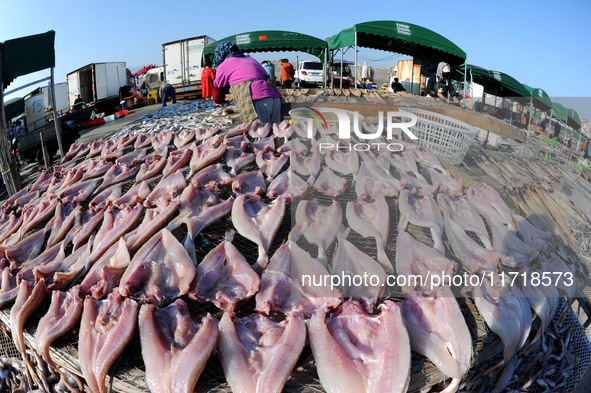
{"x":114,"y":259}
{"x":503,"y":237}
{"x":333,"y":92}
{"x":336,"y":95}
{"x":104,"y":237}
{"x":534,"y":186}
{"x":186,"y":116}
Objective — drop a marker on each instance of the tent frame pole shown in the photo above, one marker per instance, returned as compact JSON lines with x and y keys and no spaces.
{"x":465,"y":76}
{"x":298,"y":70}
{"x":331,"y":72}
{"x":531,"y":109}
{"x":324,"y":69}
{"x":412,"y":76}
{"x":356,"y":66}
{"x":27,"y":85}
{"x":56,"y":120}
{"x":5,"y":162}
{"x":472,"y":90}
{"x":341,"y":78}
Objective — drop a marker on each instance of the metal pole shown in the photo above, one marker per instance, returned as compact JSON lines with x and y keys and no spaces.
{"x":341,"y":82}
{"x":298,"y":70}
{"x":412,"y":76}
{"x":495,"y":104}
{"x":331,"y":80}
{"x":531,"y":109}
{"x":27,"y":85}
{"x":56,"y":120}
{"x":465,"y":77}
{"x":4,"y":146}
{"x":356,"y":73}
{"x":44,"y":152}
{"x":324,"y":69}
{"x":472,"y":90}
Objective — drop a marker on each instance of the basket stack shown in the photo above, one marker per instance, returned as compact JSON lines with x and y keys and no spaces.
{"x":448,"y":138}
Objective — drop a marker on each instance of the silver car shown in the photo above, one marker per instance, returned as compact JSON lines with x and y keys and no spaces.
{"x":309,"y":72}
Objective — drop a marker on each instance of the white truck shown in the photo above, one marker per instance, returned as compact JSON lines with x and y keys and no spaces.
{"x":98,"y":85}
{"x":182,"y":64}
{"x":38,"y":108}
{"x":40,"y":123}
{"x":152,"y":79}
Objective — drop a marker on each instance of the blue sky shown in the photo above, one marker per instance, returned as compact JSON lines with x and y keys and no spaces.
{"x":540,"y":43}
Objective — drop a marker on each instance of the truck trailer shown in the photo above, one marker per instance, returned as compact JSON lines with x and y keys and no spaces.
{"x":38,"y":104}
{"x":98,"y":85}
{"x":40,"y":123}
{"x":182,"y":64}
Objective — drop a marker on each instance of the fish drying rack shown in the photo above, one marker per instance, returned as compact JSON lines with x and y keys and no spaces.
{"x":127,"y":374}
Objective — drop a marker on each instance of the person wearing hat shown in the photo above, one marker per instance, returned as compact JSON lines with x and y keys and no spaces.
{"x":248,"y":82}
{"x":440,"y":85}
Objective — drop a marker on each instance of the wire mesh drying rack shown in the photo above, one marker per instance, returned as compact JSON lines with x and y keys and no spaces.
{"x":127,"y":374}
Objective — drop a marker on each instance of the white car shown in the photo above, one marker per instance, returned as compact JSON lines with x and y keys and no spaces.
{"x":309,"y":72}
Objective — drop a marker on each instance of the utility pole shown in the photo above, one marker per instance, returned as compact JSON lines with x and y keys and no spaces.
{"x":10,"y":174}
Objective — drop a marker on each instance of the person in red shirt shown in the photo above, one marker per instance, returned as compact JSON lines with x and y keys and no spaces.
{"x":207,"y":78}
{"x":287,"y":74}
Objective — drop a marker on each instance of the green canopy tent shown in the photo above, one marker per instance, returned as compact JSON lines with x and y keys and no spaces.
{"x":274,"y":41}
{"x":560,"y":112}
{"x":14,"y":107}
{"x":571,"y":119}
{"x":498,"y":84}
{"x":25,"y":55}
{"x":19,"y":57}
{"x":399,"y":37}
{"x":578,"y":138}
{"x":574,"y":120}
{"x":540,"y":100}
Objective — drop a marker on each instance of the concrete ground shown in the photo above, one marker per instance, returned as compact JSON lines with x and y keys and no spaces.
{"x":107,"y":129}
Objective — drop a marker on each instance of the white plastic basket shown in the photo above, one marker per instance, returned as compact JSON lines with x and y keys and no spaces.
{"x":448,"y":138}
